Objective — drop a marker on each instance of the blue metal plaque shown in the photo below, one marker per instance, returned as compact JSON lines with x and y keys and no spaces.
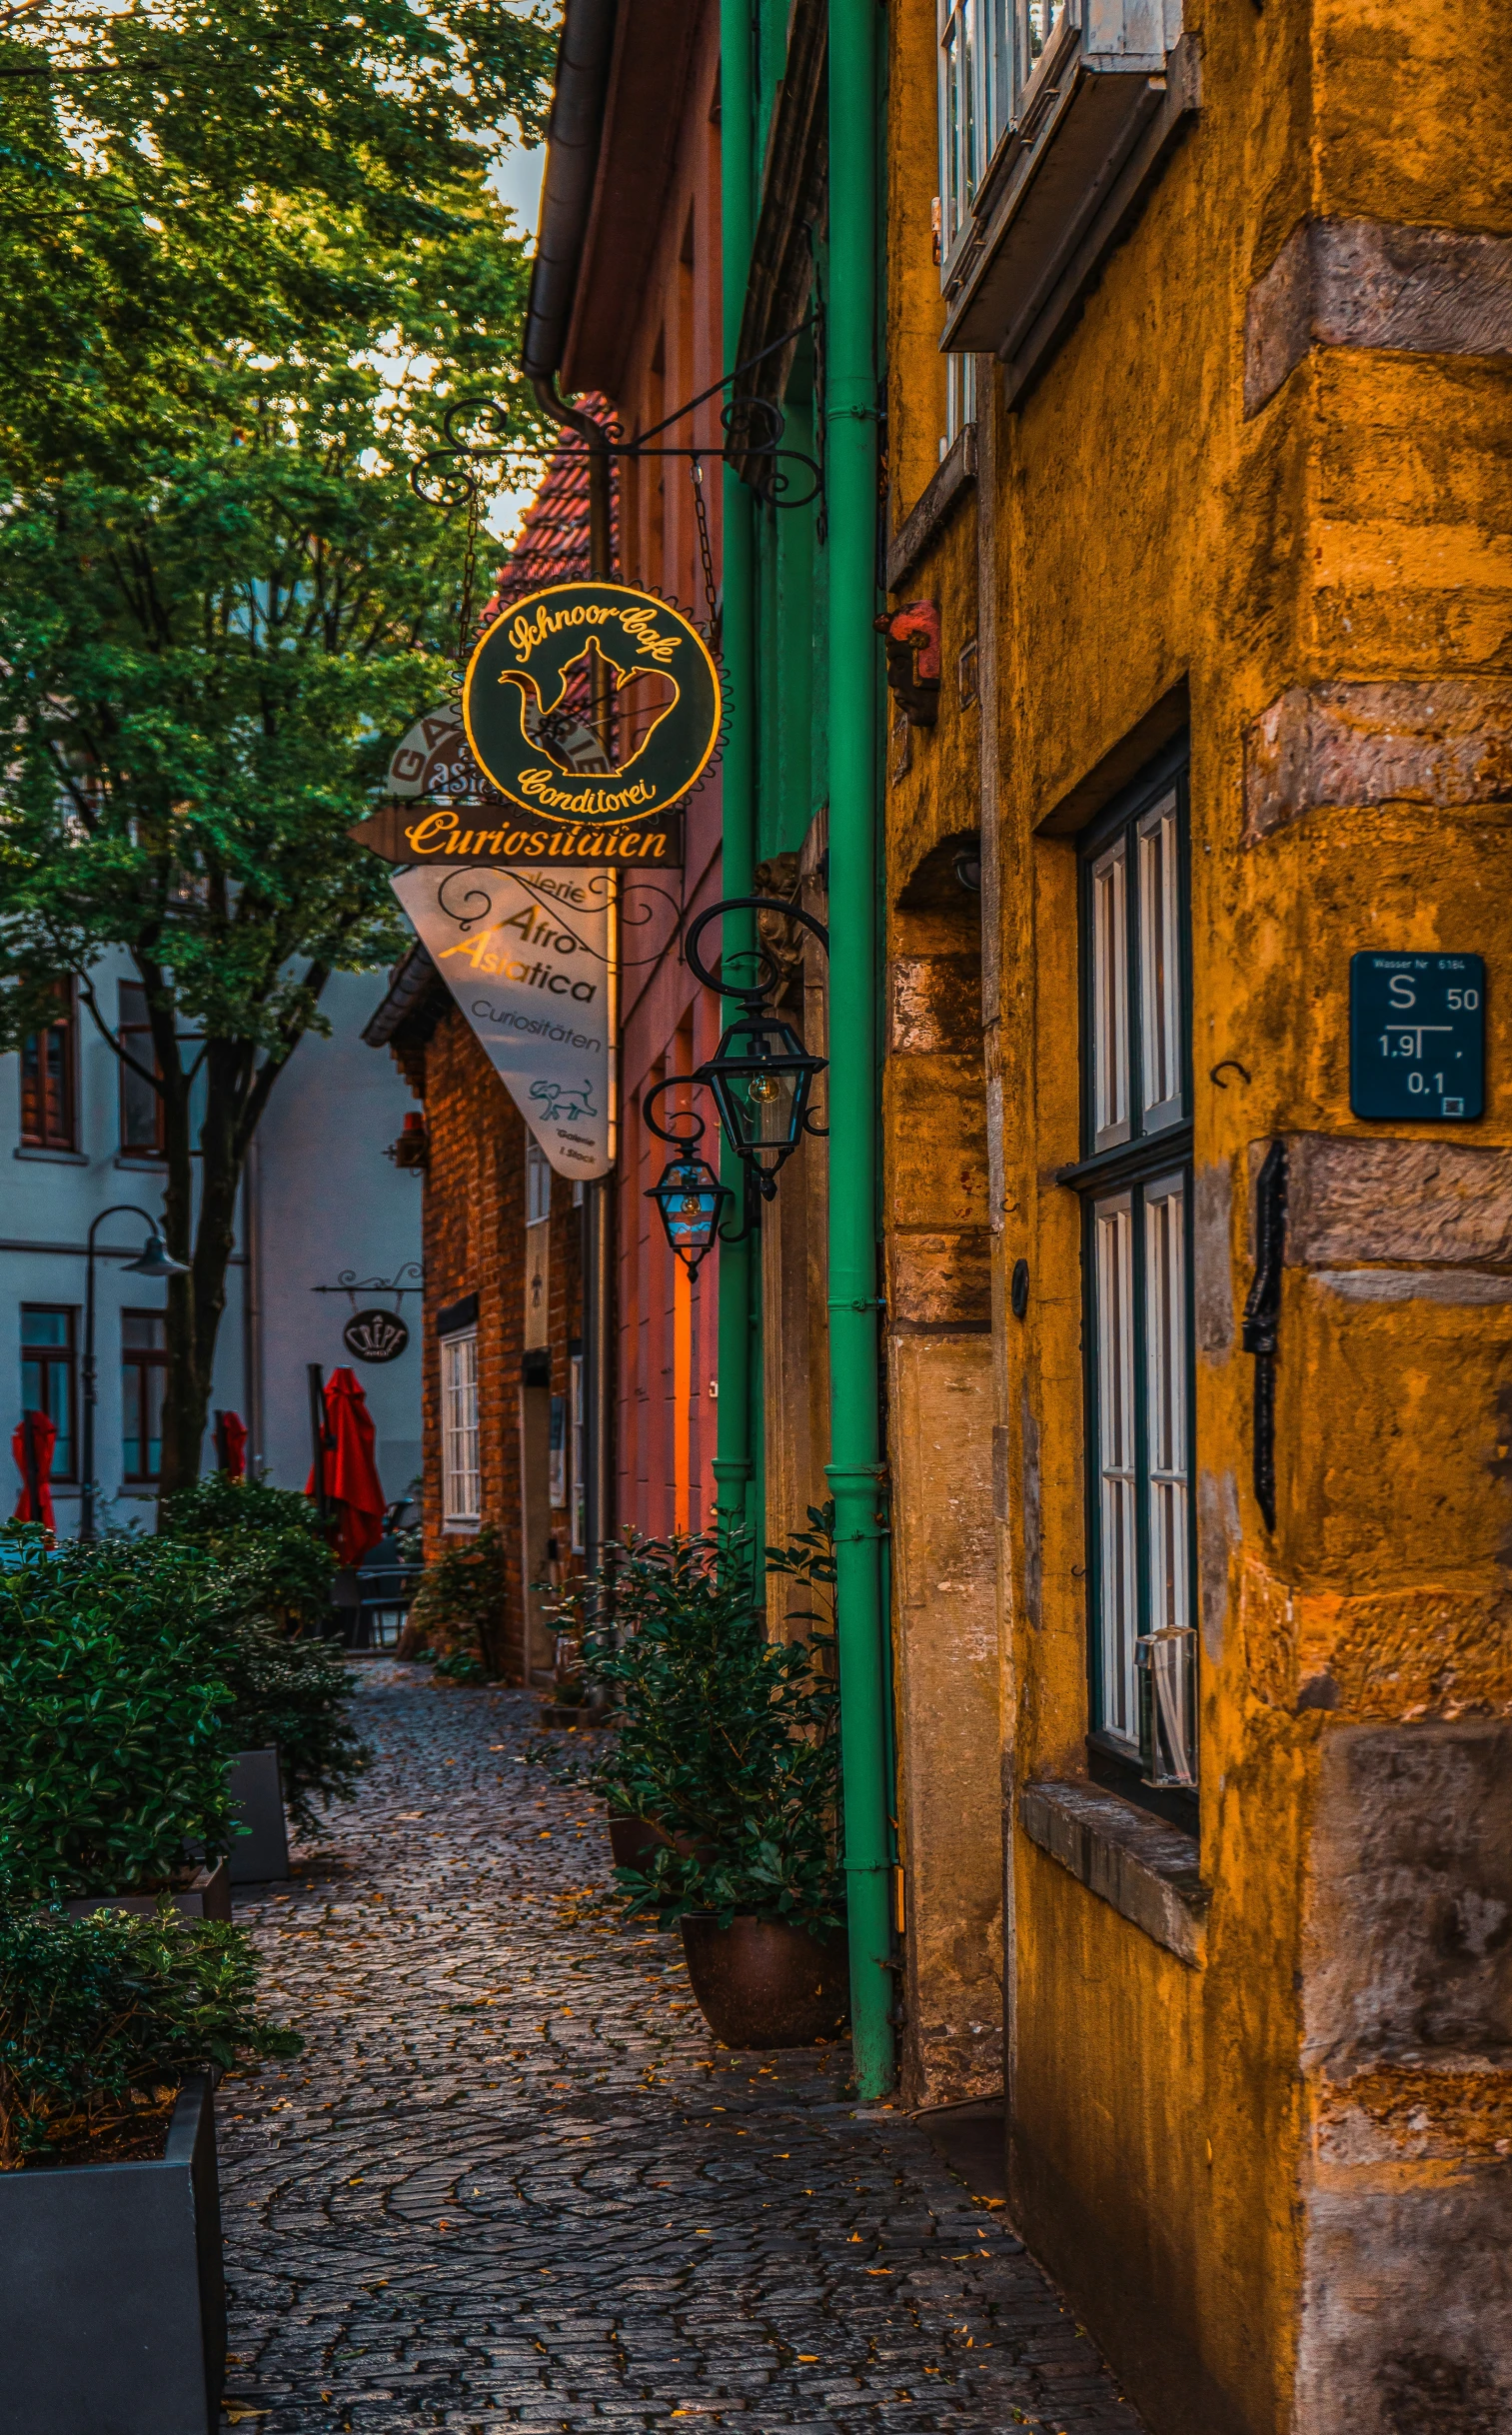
{"x":1417,"y":1031}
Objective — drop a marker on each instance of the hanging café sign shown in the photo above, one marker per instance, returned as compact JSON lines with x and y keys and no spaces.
{"x":588,"y":712}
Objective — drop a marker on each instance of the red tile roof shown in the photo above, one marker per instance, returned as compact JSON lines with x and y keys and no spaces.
{"x":552,"y":543}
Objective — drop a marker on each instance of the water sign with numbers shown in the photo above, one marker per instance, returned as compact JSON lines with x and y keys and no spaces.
{"x":1417,"y":1036}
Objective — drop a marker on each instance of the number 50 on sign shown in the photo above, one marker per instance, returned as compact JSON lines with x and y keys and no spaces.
{"x":1417,"y":1028}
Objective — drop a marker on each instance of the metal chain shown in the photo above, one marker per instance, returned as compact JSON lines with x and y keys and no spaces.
{"x":468,"y":578}
{"x":701,"y":513}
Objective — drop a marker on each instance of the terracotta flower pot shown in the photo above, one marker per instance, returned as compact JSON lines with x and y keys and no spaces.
{"x":634,"y":1841}
{"x":762,"y":1983}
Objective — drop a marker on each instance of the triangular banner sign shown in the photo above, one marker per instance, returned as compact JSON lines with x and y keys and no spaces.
{"x":529,"y":958}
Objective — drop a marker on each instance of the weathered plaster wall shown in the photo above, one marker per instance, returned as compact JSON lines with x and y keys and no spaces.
{"x":1276,"y":2180}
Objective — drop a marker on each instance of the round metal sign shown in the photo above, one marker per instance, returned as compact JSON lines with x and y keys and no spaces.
{"x":374,"y":1336}
{"x":599,"y":640}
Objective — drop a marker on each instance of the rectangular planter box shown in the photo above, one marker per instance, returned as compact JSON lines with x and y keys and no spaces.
{"x":208,"y":1898}
{"x":258,"y":1792}
{"x":113,"y":2301}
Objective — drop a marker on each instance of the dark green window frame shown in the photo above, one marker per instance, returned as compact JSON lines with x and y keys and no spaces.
{"x":1135,"y":1183}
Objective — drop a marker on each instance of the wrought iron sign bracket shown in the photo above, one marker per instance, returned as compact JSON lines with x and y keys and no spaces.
{"x":752,"y":431}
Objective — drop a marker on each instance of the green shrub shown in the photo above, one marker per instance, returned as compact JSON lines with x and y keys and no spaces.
{"x":115,"y":1723}
{"x":267,"y":1538}
{"x":217,"y":1506}
{"x":460,"y":1608}
{"x":726,"y":1739}
{"x":285,"y":1688}
{"x":97,"y":2014}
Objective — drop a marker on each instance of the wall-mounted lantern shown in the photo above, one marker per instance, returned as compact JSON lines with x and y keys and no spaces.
{"x":689,"y":1195}
{"x":761,"y":1076}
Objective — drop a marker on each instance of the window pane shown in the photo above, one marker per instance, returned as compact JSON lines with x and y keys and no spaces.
{"x":1119,"y":1595}
{"x":46,"y":1327}
{"x":1170,"y":1647}
{"x":1160,"y":963}
{"x":1110,"y":1123}
{"x":537,"y":1185}
{"x":143,"y":1331}
{"x":459,"y":1435}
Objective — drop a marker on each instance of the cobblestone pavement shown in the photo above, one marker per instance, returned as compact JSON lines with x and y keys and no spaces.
{"x":513,"y":2183}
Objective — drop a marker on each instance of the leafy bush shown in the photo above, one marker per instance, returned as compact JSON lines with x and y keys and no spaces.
{"x":459,"y":1609}
{"x":97,"y":2014}
{"x":268,"y":1538}
{"x":285,"y":1688}
{"x":728,"y":1740}
{"x":217,"y":1506}
{"x":115,"y":1723}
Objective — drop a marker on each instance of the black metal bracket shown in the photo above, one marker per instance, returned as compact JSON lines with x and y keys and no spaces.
{"x":752,"y":429}
{"x":750,"y":1199}
{"x":769,"y":973}
{"x":1262,"y":1319}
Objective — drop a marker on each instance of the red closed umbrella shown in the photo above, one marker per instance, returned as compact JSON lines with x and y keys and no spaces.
{"x":32,"y":1444}
{"x":231,"y":1444}
{"x":352,"y":1484}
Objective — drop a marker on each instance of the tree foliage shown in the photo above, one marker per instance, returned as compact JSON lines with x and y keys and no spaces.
{"x":266,"y":233}
{"x":182,"y":176}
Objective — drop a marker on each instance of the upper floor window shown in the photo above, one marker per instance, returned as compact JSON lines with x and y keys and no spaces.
{"x":49,"y":1378}
{"x":49,"y":1079}
{"x":141,"y":1101}
{"x":144,"y":1377}
{"x":1135,"y":1179}
{"x":989,"y":51}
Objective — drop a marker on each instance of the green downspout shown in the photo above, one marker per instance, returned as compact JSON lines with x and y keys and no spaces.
{"x":854,"y":1472}
{"x":739,"y":1273}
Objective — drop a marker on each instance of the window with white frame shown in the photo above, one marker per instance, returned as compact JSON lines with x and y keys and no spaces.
{"x":1135,"y":1181}
{"x":461,"y":1488}
{"x":989,"y":52}
{"x":537,"y":1185}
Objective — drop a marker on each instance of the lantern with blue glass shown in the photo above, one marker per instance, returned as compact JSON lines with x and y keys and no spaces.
{"x":689,"y":1195}
{"x":761,"y":1076}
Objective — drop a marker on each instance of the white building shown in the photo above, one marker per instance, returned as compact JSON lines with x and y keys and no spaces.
{"x":321,"y":1203}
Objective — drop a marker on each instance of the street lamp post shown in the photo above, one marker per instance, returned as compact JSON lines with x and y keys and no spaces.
{"x":155,"y":1260}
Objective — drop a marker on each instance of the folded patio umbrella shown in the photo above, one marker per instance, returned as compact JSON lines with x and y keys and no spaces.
{"x":352,"y":1484}
{"x":32,"y":1444}
{"x":231,"y":1444}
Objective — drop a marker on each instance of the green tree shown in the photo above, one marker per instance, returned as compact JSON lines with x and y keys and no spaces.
{"x":180,"y":175}
{"x":205,"y":656}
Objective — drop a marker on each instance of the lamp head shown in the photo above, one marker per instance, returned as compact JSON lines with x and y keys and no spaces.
{"x":156,"y":1258}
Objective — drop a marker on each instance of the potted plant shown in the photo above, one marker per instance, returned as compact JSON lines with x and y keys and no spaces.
{"x":728,"y":1759}
{"x":112,"y":2306}
{"x":256,"y":1585}
{"x":115,"y":1738}
{"x":458,"y":1608}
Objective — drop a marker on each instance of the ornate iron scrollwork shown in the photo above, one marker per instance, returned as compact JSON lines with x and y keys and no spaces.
{"x":753,"y":429}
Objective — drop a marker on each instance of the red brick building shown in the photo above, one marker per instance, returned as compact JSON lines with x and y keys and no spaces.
{"x":502,"y":1387}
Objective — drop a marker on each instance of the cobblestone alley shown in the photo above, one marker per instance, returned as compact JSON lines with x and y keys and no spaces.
{"x":511,"y":2182}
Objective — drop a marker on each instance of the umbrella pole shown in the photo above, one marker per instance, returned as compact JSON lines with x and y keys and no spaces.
{"x":318,"y":1438}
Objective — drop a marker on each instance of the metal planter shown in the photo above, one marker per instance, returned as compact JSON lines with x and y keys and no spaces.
{"x":113,"y":2301}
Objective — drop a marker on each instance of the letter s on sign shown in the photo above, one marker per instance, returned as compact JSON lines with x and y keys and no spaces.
{"x":1402,"y":991}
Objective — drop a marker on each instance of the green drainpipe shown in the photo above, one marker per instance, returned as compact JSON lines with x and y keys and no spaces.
{"x":854,"y":1472}
{"x":739,"y":1273}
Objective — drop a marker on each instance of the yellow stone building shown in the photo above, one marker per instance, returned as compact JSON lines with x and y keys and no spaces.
{"x":1199,"y":1305}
